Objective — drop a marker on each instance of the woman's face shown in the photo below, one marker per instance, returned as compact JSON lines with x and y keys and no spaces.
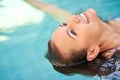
{"x":79,"y":32}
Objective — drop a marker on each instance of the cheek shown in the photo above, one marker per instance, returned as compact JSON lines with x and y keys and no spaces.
{"x":83,"y":29}
{"x":82,"y":37}
{"x":86,"y":32}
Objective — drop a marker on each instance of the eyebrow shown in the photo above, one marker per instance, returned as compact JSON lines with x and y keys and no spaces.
{"x":69,"y":34}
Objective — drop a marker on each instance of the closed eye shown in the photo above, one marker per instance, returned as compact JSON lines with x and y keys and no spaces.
{"x":72,"y":33}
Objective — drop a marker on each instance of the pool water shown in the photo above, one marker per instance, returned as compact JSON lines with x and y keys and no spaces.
{"x":23,"y":47}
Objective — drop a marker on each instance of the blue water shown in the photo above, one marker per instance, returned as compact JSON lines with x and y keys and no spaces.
{"x":22,"y":56}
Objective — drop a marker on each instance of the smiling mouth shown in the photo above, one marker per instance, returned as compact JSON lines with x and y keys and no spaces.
{"x":84,"y":17}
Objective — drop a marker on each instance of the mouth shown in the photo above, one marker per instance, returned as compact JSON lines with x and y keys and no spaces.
{"x":83,"y":15}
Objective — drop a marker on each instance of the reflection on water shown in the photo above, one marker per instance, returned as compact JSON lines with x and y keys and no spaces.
{"x":4,"y":38}
{"x":17,"y":13}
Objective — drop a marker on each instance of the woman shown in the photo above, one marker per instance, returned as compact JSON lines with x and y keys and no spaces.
{"x":83,"y":38}
{"x":87,"y":45}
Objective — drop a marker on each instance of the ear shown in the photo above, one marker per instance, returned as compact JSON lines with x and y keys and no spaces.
{"x":92,"y":52}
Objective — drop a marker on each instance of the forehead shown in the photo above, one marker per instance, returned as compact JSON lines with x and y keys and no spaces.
{"x":62,"y":40}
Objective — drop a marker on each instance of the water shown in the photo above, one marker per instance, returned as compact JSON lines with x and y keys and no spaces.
{"x":22,"y":47}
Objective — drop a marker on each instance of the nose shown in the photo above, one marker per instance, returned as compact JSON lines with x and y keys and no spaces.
{"x":73,"y":21}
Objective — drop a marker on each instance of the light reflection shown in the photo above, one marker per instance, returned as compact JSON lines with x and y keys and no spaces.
{"x":4,"y":38}
{"x":19,"y":14}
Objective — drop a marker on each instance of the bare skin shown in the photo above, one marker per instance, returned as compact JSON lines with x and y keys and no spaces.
{"x":96,"y":31}
{"x":116,"y":24}
{"x":101,"y":36}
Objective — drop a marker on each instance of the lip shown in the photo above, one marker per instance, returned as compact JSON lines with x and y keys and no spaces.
{"x":84,"y":17}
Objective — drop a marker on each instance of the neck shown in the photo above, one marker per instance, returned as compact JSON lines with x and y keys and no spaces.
{"x":110,"y":38}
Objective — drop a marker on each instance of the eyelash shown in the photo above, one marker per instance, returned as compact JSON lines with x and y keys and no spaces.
{"x":63,"y":24}
{"x":73,"y":32}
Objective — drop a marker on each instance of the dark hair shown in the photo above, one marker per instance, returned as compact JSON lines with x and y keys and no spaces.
{"x":74,"y":58}
{"x":76,"y":63}
{"x":100,"y":66}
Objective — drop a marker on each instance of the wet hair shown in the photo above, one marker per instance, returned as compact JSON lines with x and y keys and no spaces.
{"x":74,"y":58}
{"x":77,"y":63}
{"x":100,"y":66}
